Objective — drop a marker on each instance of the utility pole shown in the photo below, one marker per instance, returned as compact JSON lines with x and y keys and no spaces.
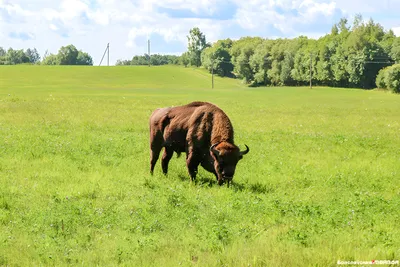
{"x":108,"y":54}
{"x":311,"y":70}
{"x":212,"y":73}
{"x":148,"y":49}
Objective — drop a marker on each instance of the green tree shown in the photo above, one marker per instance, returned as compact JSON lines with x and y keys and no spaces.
{"x":50,"y":60}
{"x":343,"y":27}
{"x":184,"y":59}
{"x":123,"y":62}
{"x":260,"y":62}
{"x":196,"y":44}
{"x":2,"y":52}
{"x":217,"y":58}
{"x":67,"y":55}
{"x":242,"y":50}
{"x":395,"y":50}
{"x":33,"y":55}
{"x":14,"y":57}
{"x":334,"y":30}
{"x":84,"y":58}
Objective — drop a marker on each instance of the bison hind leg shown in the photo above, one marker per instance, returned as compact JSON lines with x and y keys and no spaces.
{"x":168,"y":152}
{"x":155,"y":153}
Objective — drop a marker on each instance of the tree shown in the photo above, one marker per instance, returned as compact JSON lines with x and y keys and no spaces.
{"x":242,"y":50}
{"x":196,"y":44}
{"x":67,"y":55}
{"x":14,"y":57}
{"x":184,"y":59}
{"x":387,"y":42}
{"x":357,"y":21}
{"x":395,"y":51}
{"x":334,"y":30}
{"x":343,"y":25}
{"x":123,"y":62}
{"x":84,"y":59}
{"x":217,"y":58}
{"x":2,"y":52}
{"x":50,"y":59}
{"x":33,"y":55}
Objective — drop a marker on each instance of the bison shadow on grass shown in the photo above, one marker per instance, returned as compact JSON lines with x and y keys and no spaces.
{"x":257,"y":188}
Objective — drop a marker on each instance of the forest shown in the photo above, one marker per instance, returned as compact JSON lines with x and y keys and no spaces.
{"x":349,"y":56}
{"x":67,"y":55}
{"x":154,"y":60}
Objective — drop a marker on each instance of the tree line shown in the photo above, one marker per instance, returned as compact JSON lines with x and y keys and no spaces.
{"x":67,"y":55}
{"x":349,"y":56}
{"x":154,"y":60}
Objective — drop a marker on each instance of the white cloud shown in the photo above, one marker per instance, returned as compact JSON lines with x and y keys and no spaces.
{"x":170,"y":31}
{"x":396,"y":31}
{"x":367,"y":6}
{"x":199,"y":6}
{"x":284,"y":15}
{"x":127,"y":24}
{"x":15,"y":9}
{"x":309,"y":8}
{"x":53,"y":27}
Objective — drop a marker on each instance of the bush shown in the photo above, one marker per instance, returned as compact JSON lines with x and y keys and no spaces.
{"x":380,"y":79}
{"x":393,"y":78}
{"x":389,"y":78}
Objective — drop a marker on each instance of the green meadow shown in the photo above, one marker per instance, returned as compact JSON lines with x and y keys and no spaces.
{"x":320,"y":183}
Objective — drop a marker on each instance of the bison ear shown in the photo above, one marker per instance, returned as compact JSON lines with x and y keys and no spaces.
{"x":214,"y":151}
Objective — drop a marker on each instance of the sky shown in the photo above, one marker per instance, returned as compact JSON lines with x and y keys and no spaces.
{"x":128,"y":24}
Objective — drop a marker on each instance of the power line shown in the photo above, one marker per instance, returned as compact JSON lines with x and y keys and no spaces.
{"x":264,"y":61}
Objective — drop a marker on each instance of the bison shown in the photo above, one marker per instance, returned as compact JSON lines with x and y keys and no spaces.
{"x":201,"y":130}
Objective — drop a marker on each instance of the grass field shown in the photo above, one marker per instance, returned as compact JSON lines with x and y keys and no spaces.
{"x":320,"y":184}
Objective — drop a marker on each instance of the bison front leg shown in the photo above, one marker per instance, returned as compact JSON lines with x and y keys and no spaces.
{"x":192,"y":163}
{"x":168,"y":152}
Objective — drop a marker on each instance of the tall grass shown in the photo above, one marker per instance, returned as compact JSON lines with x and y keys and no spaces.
{"x":320,"y":183}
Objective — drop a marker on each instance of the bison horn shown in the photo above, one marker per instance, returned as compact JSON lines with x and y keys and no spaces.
{"x":246,"y":151}
{"x":213,"y":150}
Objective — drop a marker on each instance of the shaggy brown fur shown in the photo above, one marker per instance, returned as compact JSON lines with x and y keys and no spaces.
{"x":200,"y":129}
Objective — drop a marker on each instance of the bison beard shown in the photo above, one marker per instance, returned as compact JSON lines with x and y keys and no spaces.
{"x":200,"y":129}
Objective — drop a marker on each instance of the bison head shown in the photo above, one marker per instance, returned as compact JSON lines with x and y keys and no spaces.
{"x":226,"y":156}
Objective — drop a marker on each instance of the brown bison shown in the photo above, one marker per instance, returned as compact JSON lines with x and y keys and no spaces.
{"x":200,"y":129}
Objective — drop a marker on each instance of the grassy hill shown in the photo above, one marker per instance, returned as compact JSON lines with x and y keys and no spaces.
{"x":123,"y":77}
{"x":320,"y":183}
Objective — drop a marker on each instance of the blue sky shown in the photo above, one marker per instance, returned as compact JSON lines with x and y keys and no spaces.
{"x":127,"y":24}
